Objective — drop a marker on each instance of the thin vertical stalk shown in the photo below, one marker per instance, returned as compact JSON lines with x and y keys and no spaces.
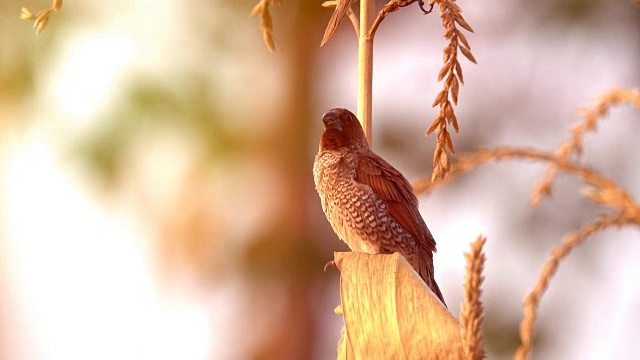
{"x":365,"y":65}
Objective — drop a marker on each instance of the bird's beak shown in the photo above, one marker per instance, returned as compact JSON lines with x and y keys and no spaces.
{"x":331,"y":120}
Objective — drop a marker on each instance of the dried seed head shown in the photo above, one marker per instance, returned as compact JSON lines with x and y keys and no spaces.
{"x":463,"y":40}
{"x":464,"y":24}
{"x":438,"y":100}
{"x":467,"y":53}
{"x":25,"y":14}
{"x":40,"y":23}
{"x":434,"y":124}
{"x":454,"y":90}
{"x":445,"y":70}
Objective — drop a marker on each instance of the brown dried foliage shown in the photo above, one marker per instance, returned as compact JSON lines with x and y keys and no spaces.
{"x":451,"y":72}
{"x":472,"y":310}
{"x":623,"y":208}
{"x":42,"y":18}
{"x":262,"y":9}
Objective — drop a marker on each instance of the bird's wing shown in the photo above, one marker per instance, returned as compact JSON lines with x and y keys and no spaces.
{"x":395,"y":190}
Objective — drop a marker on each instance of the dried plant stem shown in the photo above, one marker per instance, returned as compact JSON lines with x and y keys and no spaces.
{"x":472,"y":311}
{"x":391,"y":6}
{"x":560,"y":252}
{"x":365,"y":66}
{"x":354,"y":21}
{"x":386,"y":10}
{"x":574,"y":143}
{"x":620,"y":199}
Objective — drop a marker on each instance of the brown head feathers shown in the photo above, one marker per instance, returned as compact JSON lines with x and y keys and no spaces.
{"x":342,"y":130}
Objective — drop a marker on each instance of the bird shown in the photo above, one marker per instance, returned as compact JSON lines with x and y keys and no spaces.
{"x":369,"y":203}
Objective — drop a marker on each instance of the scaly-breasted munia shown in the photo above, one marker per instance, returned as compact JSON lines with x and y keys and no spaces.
{"x":369,"y":204}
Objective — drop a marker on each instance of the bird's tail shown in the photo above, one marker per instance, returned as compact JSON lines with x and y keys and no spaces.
{"x":425,"y":270}
{"x":433,"y":285}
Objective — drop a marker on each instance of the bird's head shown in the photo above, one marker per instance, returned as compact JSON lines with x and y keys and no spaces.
{"x":342,"y":130}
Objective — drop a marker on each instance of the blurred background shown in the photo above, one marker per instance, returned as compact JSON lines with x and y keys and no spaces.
{"x":156,"y":195}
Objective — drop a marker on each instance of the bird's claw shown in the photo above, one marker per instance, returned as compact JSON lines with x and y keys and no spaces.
{"x":421,"y":4}
{"x":330,"y":263}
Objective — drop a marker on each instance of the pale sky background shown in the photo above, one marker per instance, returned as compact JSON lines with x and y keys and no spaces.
{"x":79,"y":277}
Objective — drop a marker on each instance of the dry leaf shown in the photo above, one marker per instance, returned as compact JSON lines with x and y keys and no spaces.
{"x":342,"y":7}
{"x":389,"y":313}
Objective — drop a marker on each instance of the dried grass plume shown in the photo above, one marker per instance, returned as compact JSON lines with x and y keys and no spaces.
{"x":266,"y":22}
{"x":451,"y":72}
{"x":549,"y":269}
{"x":573,"y":145}
{"x":472,"y":311}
